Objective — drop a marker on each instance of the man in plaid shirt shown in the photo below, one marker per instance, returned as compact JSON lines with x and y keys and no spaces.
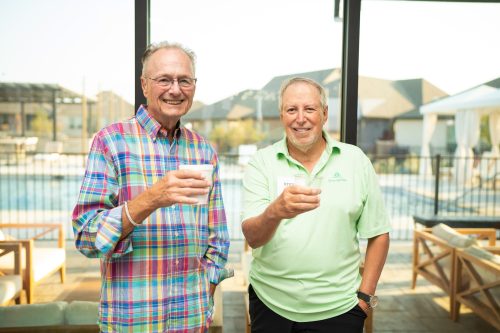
{"x":162,"y":252}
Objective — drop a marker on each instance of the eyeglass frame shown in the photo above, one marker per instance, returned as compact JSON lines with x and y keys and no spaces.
{"x":156,"y":80}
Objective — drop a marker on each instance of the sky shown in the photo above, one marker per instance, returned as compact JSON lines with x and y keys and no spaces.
{"x":88,"y":46}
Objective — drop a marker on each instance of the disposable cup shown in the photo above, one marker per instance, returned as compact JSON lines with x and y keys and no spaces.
{"x":307,"y":181}
{"x":206,"y":170}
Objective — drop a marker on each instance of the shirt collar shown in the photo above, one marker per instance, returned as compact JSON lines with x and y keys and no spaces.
{"x":332,"y":146}
{"x":152,"y":126}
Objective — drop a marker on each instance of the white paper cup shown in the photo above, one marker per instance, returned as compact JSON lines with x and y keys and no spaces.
{"x":206,"y":170}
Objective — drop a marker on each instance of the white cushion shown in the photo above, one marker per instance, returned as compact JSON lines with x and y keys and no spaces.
{"x":10,"y":286}
{"x":483,"y":254}
{"x":82,"y":313}
{"x":451,"y":236}
{"x":43,"y":314}
{"x":45,"y":260}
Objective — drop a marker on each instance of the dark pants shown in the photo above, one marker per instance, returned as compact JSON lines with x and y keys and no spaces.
{"x":264,"y":320}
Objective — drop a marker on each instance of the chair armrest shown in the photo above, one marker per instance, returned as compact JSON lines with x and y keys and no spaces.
{"x":48,"y":227}
{"x":12,"y":247}
{"x":426,"y":234}
{"x":492,"y":249}
{"x":482,"y":233}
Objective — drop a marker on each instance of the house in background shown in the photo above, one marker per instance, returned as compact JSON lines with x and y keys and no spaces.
{"x":61,"y":120}
{"x":380,"y":102}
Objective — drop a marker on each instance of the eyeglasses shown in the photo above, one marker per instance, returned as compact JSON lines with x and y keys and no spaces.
{"x":166,"y":82}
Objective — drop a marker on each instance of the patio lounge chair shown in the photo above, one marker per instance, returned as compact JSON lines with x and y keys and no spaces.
{"x":11,"y":285}
{"x":434,"y":251}
{"x":481,"y":266}
{"x":37,"y":262}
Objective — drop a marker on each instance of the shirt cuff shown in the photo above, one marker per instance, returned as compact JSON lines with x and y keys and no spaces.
{"x":108,"y":237}
{"x":217,"y":274}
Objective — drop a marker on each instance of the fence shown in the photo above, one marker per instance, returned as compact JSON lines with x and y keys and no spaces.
{"x":44,"y":188}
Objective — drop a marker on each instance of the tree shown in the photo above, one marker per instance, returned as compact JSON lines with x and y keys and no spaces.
{"x":41,"y":124}
{"x":239,"y":133}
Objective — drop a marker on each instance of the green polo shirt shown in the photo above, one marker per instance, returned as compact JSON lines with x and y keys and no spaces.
{"x":309,"y":270}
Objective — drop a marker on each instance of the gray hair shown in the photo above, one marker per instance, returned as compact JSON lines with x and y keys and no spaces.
{"x":153,"y":47}
{"x":293,"y":80}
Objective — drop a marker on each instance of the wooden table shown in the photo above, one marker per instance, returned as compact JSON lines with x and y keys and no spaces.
{"x":459,"y":221}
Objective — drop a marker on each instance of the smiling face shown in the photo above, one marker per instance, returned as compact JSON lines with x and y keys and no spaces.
{"x":303,"y":117}
{"x":168,"y":105}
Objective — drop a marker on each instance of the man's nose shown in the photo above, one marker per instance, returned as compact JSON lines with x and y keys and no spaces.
{"x":174,"y":87}
{"x":300,"y":117}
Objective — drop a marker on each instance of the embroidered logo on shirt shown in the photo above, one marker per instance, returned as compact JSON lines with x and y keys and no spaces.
{"x":337,"y":177}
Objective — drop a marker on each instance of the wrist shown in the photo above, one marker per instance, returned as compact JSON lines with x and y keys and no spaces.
{"x":370,"y":300}
{"x":271,"y":214}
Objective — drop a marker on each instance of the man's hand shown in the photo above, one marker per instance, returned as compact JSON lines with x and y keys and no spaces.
{"x":364,"y":306}
{"x":179,"y":186}
{"x":296,"y":200}
{"x":293,"y":201}
{"x":212,"y":289}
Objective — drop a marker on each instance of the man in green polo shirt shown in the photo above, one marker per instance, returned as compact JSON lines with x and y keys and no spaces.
{"x":307,"y":200}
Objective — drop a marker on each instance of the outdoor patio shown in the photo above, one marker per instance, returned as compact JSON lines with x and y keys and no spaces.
{"x":401,"y":309}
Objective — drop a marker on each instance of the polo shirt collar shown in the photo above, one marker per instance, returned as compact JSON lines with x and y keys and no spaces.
{"x":152,"y":127}
{"x":332,"y":146}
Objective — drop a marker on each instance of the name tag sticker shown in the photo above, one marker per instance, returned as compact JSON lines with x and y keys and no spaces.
{"x":283,"y":182}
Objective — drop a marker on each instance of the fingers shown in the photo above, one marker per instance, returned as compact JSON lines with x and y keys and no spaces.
{"x":297,"y":189}
{"x":189,"y":174}
{"x":181,"y":186}
{"x":298,"y":199}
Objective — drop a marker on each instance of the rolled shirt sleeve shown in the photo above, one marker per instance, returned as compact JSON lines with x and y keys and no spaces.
{"x":97,"y":218}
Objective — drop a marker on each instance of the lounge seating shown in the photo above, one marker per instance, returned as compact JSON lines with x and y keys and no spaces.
{"x":77,"y":316}
{"x":11,"y":285}
{"x":37,"y":262}
{"x":481,"y":266}
{"x":60,"y":316}
{"x":434,"y":251}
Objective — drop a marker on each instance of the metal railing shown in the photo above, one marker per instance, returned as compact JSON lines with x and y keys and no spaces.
{"x":40,"y":188}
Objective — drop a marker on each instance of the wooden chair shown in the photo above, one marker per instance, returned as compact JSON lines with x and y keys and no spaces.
{"x":434,"y":257}
{"x":11,"y":285}
{"x":37,"y":262}
{"x":482,"y":294}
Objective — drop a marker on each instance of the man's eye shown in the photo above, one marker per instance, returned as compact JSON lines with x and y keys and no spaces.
{"x":164,"y":81}
{"x":184,"y":82}
{"x":291,"y":110}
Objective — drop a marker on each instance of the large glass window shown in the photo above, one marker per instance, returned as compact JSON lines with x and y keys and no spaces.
{"x":425,"y":69}
{"x":54,"y":52}
{"x":414,"y":52}
{"x":245,"y":50}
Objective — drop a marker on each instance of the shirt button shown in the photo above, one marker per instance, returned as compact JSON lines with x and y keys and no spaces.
{"x":176,"y":234}
{"x":177,"y":262}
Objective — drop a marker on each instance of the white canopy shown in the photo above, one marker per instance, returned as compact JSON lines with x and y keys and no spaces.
{"x":467,"y":108}
{"x":483,"y":96}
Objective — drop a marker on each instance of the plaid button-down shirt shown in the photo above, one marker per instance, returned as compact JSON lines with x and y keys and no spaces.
{"x":157,"y":278}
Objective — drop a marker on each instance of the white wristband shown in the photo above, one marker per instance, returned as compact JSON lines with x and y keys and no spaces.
{"x":135,"y":224}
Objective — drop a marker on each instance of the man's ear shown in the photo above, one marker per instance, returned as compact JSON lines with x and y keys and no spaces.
{"x":144,"y":83}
